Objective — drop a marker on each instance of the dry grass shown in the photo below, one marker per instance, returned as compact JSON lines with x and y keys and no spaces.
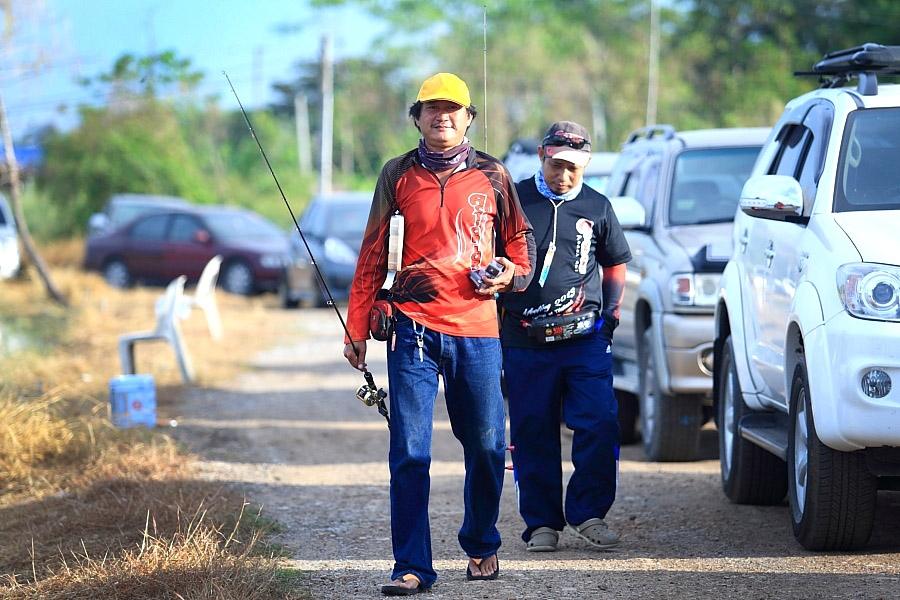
{"x":200,"y":560}
{"x":75,"y":492}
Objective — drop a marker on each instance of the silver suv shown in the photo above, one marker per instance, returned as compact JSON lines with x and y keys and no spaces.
{"x":675,"y":194}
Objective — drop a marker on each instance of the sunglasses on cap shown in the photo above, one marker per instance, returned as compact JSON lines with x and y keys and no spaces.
{"x":564,"y":138}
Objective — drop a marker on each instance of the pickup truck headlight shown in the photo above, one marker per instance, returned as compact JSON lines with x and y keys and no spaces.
{"x":870,"y":291}
{"x":695,"y":289}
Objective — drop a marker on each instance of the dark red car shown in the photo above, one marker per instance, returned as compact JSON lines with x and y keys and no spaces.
{"x":158,"y":247}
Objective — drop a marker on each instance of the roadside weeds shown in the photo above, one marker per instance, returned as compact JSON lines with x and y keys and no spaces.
{"x":91,"y":511}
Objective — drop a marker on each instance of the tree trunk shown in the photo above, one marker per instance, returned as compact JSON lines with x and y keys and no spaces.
{"x":12,"y":168}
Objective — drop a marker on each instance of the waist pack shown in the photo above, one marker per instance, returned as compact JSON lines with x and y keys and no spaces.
{"x":382,"y":316}
{"x":558,"y":328}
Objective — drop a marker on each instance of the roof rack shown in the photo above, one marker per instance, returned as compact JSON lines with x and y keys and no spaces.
{"x":864,"y":62}
{"x":649,"y":132}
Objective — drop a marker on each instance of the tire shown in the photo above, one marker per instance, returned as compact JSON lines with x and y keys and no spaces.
{"x":750,"y":475}
{"x":831,"y":493}
{"x":628,"y":416}
{"x":670,"y":425}
{"x":116,"y":274}
{"x":238,"y":279}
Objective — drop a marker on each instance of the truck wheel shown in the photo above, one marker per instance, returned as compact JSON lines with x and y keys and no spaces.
{"x":628,"y":415}
{"x":750,"y":475}
{"x":832,"y":494}
{"x":670,"y":425}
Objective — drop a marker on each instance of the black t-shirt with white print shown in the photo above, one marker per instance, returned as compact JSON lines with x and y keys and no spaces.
{"x":588,"y":236}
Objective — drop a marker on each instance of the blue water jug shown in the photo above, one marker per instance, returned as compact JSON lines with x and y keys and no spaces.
{"x":132,"y":401}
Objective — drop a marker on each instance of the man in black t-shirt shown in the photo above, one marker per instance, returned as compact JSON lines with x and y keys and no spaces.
{"x":556,"y":338}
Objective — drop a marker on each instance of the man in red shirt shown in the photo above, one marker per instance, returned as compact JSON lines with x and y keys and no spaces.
{"x":457,"y":204}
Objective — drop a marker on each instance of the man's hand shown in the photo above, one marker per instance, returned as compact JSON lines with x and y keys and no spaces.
{"x":357,"y":362}
{"x":503,"y":281}
{"x":610,"y":322}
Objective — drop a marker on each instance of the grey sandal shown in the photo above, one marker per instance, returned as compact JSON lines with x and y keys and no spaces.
{"x":596,"y":533}
{"x":543,"y":539}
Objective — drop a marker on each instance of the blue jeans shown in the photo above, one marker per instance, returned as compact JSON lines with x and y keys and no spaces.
{"x":576,"y":377}
{"x":470,"y":368}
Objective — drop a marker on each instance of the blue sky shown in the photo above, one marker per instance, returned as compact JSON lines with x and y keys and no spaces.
{"x":79,"y":38}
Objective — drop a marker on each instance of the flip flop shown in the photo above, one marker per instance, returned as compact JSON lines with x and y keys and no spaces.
{"x":392,"y":589}
{"x":472,"y":577}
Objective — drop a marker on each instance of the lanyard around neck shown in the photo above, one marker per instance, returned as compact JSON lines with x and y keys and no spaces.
{"x":551,"y":248}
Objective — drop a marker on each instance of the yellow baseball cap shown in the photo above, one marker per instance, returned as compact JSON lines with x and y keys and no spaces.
{"x":445,"y":86}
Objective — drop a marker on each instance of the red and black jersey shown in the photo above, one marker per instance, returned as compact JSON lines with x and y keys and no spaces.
{"x":450,"y":230}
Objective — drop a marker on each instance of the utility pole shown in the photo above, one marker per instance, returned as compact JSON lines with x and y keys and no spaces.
{"x":301,"y":123}
{"x":327,"y":117}
{"x":12,"y":169}
{"x":653,"y":68}
{"x":598,"y":116}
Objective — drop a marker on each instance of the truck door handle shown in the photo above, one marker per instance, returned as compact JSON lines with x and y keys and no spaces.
{"x":745,"y":239}
{"x":770,"y":254}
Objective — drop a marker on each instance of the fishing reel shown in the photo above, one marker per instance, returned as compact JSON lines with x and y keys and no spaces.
{"x":370,"y":396}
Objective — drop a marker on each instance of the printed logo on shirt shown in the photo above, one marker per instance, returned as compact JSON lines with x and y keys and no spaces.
{"x":471,"y":242}
{"x":585,"y":230}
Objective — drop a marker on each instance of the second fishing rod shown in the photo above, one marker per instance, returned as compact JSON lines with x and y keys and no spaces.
{"x":369,"y":394}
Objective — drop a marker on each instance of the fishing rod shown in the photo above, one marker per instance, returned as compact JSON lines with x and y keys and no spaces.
{"x":484,"y":46}
{"x":369,"y":394}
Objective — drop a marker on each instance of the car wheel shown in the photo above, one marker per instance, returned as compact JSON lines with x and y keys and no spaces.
{"x":628,"y":415}
{"x":831,"y":493}
{"x":284,"y":295}
{"x":670,"y":425}
{"x":238,"y":279}
{"x":750,"y":475}
{"x":116,"y":274}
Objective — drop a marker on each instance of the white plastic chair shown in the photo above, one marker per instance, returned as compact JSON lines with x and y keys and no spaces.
{"x":204,"y":296}
{"x":167,"y":329}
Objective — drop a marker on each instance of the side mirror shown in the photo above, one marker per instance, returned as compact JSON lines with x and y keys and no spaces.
{"x":97,"y":223}
{"x":772,"y":197}
{"x":202,"y":236}
{"x":629,"y":212}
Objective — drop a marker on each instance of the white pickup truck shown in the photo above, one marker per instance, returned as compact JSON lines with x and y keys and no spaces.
{"x":808,"y":318}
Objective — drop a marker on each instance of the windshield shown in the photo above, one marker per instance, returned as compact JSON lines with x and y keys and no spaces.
{"x":233,"y":226}
{"x":707,"y":184}
{"x":347,"y":219}
{"x":598,"y":182}
{"x":868,"y":177}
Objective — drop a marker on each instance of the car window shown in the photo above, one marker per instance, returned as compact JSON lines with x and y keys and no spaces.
{"x":184,"y":228}
{"x":794,"y":141}
{"x":707,"y":184}
{"x":311,"y":222}
{"x":238,"y":225}
{"x":122,"y":214}
{"x":641,"y":183}
{"x":818,"y":122}
{"x":2,"y":216}
{"x":151,"y":228}
{"x":868,"y":177}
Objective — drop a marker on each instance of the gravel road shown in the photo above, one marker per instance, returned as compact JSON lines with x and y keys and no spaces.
{"x":291,"y":434}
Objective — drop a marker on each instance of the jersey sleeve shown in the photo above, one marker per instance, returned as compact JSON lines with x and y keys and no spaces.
{"x":515,"y":235}
{"x":371,"y":266}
